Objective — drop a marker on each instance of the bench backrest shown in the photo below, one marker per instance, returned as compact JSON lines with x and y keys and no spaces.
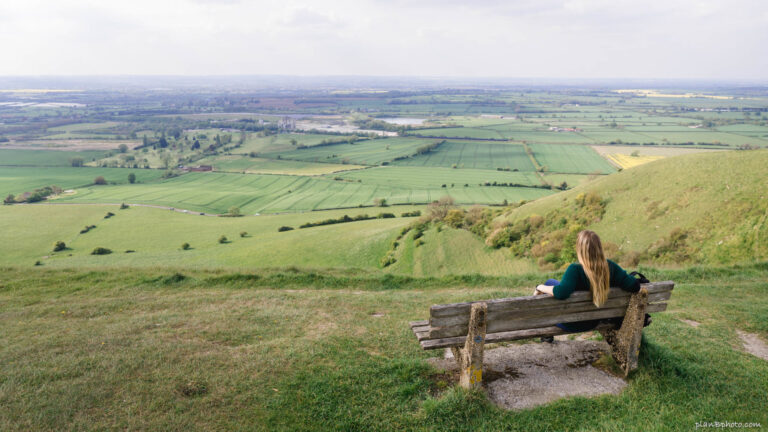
{"x":521,"y":313}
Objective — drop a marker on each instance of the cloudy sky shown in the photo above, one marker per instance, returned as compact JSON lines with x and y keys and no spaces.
{"x":667,"y":39}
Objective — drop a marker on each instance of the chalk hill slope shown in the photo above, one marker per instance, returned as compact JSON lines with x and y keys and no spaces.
{"x":706,"y":208}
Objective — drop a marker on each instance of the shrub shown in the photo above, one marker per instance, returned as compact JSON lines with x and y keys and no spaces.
{"x":130,"y":251}
{"x":454,"y":218}
{"x":243,"y":234}
{"x":100,"y":180}
{"x":87,"y":228}
{"x":131,"y":178}
{"x":388,"y":259}
{"x":415,"y":213}
{"x":284,"y":228}
{"x":108,"y":215}
{"x":38,"y":263}
{"x":223,"y":239}
{"x":185,"y":246}
{"x":10,"y":199}
{"x":59,"y":246}
{"x":101,"y":251}
{"x":380,"y":202}
{"x":385,"y":215}
{"x":123,"y":206}
{"x":439,"y":209}
{"x":234,"y":211}
{"x":419,"y":242}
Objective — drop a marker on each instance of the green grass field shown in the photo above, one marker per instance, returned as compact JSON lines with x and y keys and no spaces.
{"x":572,"y":159}
{"x":717,"y":198}
{"x":253,"y":193}
{"x":435,"y":177}
{"x":473,"y":154}
{"x":46,"y":158}
{"x":292,"y":350}
{"x":16,"y":180}
{"x":156,"y":237}
{"x":365,"y":152}
{"x":233,"y":163}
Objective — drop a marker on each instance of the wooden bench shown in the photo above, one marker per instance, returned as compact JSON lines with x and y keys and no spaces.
{"x":467,"y":327}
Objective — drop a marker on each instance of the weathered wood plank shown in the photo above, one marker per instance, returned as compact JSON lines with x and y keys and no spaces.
{"x":511,"y":324}
{"x":501,"y":337}
{"x":418,"y":323}
{"x":471,"y":360}
{"x":531,"y":302}
{"x":625,"y":342}
{"x":559,"y":309}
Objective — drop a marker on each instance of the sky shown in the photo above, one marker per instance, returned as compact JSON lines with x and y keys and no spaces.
{"x":561,"y":39}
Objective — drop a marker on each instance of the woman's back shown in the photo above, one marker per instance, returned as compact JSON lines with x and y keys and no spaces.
{"x":575,"y":279}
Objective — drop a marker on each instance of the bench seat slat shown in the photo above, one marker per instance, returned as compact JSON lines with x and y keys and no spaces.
{"x":511,"y":324}
{"x":430,"y":344}
{"x":418,"y":323}
{"x":533,"y":302}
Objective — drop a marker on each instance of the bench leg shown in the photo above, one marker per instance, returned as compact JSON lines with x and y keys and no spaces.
{"x":470,"y":357}
{"x":625,"y":341}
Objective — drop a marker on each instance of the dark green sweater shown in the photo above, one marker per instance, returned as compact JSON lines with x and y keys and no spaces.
{"x":575,"y":279}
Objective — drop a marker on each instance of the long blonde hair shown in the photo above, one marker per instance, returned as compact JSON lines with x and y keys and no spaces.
{"x":589,"y":251}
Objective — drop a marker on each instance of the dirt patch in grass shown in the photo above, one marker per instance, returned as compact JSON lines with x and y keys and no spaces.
{"x":753,"y":344}
{"x":691,"y":323}
{"x":524,"y":376}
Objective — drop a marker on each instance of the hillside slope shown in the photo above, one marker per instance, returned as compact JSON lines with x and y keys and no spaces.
{"x":707,"y":208}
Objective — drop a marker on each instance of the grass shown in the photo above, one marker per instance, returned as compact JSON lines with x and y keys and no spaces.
{"x":250,"y":165}
{"x":16,"y":180}
{"x":294,"y":350}
{"x":365,"y":152}
{"x":45,"y":158}
{"x":573,"y":159}
{"x":156,"y":237}
{"x":435,"y":177}
{"x":217,"y":192}
{"x":474,"y":155}
{"x":718,"y":199}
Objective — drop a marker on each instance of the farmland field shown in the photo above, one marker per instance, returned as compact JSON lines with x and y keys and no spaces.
{"x":573,"y":159}
{"x":365,"y":152}
{"x":628,"y":161}
{"x":431,"y":177}
{"x":45,"y":158}
{"x":16,"y":180}
{"x":475,"y":155}
{"x":273,"y":166}
{"x":254,"y":193}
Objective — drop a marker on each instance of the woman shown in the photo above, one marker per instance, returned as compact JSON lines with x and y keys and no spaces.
{"x":592,"y":273}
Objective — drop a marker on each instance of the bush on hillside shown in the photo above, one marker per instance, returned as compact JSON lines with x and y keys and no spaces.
{"x":100,"y":180}
{"x":87,"y":228}
{"x":123,"y":206}
{"x":101,"y":251}
{"x":284,"y":228}
{"x":108,"y":215}
{"x":223,"y":239}
{"x":243,"y":234}
{"x":59,"y":246}
{"x":185,"y":246}
{"x":415,"y":213}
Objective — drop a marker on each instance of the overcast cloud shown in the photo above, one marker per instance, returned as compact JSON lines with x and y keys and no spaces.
{"x":668,"y":39}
